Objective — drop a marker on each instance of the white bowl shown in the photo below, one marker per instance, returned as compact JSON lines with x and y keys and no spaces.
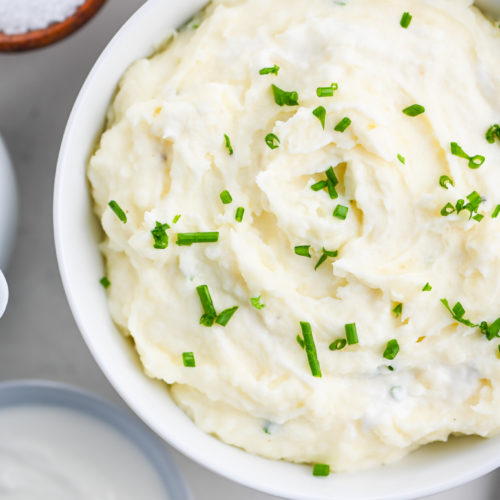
{"x":430,"y":470}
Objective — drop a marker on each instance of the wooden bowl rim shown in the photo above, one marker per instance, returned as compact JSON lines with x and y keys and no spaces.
{"x":53,"y":33}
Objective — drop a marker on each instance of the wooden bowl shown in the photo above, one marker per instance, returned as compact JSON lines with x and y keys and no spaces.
{"x":42,"y":37}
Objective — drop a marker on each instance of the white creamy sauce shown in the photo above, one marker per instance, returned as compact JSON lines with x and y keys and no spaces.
{"x":163,"y":154}
{"x":59,"y":454}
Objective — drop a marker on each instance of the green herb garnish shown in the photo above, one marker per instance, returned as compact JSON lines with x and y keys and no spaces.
{"x":160,"y":235}
{"x":402,"y":159}
{"x":310,"y":348}
{"x":318,"y":186}
{"x":104,"y":281}
{"x":187,"y":239}
{"x":228,"y":144}
{"x":255,"y":301}
{"x":340,"y":212}
{"x":495,"y":213}
{"x":444,"y":181}
{"x":224,"y":317}
{"x":327,"y":91}
{"x":414,"y":110}
{"x":427,"y":287}
{"x":474,"y":161}
{"x":267,"y":71}
{"x":342,"y":124}
{"x":225,"y":197}
{"x":239,"y":214}
{"x":391,"y":349}
{"x":303,"y":250}
{"x":321,"y":470}
{"x":398,"y":310}
{"x":176,"y":219}
{"x":300,"y":341}
{"x":209,"y":314}
{"x":474,"y":200}
{"x":405,"y":20}
{"x":188,"y":359}
{"x":351,"y":333}
{"x":272,"y":141}
{"x":320,"y":114}
{"x":282,"y":97}
{"x":325,"y":254}
{"x":337,"y":345}
{"x":118,"y":211}
{"x":493,"y":133}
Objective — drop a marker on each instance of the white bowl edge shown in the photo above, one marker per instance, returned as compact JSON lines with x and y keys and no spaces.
{"x":427,"y":471}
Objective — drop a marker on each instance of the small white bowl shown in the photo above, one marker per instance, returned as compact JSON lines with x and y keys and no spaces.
{"x":36,"y":394}
{"x":8,"y":218}
{"x":430,"y":470}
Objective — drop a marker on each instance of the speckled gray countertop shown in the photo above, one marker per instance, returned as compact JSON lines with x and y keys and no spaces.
{"x":38,"y":337}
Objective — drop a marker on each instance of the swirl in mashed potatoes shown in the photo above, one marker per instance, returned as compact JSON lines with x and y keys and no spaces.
{"x":400,"y":240}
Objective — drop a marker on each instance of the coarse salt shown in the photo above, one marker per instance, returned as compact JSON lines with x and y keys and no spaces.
{"x":21,"y":16}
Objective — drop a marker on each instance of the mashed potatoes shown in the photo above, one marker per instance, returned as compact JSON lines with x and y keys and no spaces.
{"x":389,"y":228}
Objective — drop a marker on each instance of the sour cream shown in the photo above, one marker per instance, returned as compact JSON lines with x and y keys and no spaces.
{"x":164,"y":154}
{"x":59,"y":454}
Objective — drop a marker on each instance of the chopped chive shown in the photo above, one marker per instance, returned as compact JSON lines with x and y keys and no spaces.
{"x":310,"y":348}
{"x":474,"y":161}
{"x":330,"y":174}
{"x":300,"y":341}
{"x":228,"y":144}
{"x":320,"y":114}
{"x":340,"y":212}
{"x":160,"y":236}
{"x":321,"y":470}
{"x":319,"y":185}
{"x":187,"y":239}
{"x":402,"y":159}
{"x":444,"y":181}
{"x":414,"y":110}
{"x":303,"y":250}
{"x":448,"y":209}
{"x":282,"y":97}
{"x":493,"y":133}
{"x":342,"y":124}
{"x":239,"y":214}
{"x":405,"y":20}
{"x":457,"y":313}
{"x":188,"y":359}
{"x":478,"y":217}
{"x":390,"y":368}
{"x":225,"y":197}
{"x":427,"y":287}
{"x":351,"y":333}
{"x":208,"y":318}
{"x":272,"y":141}
{"x":332,"y":181}
{"x":325,"y":254}
{"x":118,"y":211}
{"x":176,"y":219}
{"x":398,"y":310}
{"x":272,"y":70}
{"x":495,"y":213}
{"x":224,"y":317}
{"x":391,"y":349}
{"x":327,"y":91}
{"x":337,"y":345}
{"x":255,"y":301}
{"x":104,"y":281}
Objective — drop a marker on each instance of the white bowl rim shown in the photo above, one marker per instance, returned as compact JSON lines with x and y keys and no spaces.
{"x":273,"y":477}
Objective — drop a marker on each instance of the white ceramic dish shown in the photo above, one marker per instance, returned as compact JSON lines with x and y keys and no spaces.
{"x":430,"y":470}
{"x":8,"y":218}
{"x":45,"y":394}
